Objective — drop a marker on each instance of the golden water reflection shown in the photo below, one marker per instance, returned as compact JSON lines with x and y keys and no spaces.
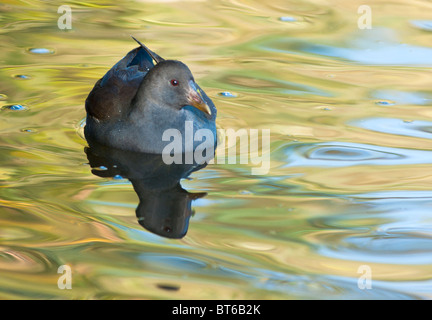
{"x":349,"y":182}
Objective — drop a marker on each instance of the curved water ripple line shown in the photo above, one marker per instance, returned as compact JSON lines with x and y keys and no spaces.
{"x":417,"y":128}
{"x":23,"y":260}
{"x":379,"y":46}
{"x":402,"y":97}
{"x":376,"y":47}
{"x":330,"y":287}
{"x":344,"y":154}
{"x":392,"y":249}
{"x":293,"y":285}
{"x":395,"y":194}
{"x":422,"y":24}
{"x":396,"y":230}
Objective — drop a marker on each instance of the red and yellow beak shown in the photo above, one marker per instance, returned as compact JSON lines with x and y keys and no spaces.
{"x":196,"y":100}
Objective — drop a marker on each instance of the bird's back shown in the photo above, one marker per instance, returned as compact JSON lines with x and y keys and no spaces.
{"x":113,"y":93}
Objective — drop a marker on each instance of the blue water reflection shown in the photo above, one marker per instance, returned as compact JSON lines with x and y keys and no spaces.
{"x":379,"y":46}
{"x":416,"y":128}
{"x":403,"y":97}
{"x":342,"y":154}
{"x":375,"y":47}
{"x":402,"y":229}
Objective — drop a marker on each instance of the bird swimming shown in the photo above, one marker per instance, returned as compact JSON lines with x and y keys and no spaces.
{"x":141,"y":97}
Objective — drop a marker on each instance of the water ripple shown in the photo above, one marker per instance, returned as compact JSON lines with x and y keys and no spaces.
{"x":422,"y":24}
{"x":397,"y":225}
{"x":23,"y":260}
{"x":343,"y":154}
{"x":417,"y":128}
{"x":368,"y":47}
{"x":403,"y":97}
{"x":295,"y":233}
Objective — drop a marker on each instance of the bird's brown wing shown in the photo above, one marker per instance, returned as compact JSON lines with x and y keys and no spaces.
{"x":112,"y":94}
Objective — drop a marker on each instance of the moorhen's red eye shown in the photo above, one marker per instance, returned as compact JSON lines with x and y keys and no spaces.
{"x":174,"y":82}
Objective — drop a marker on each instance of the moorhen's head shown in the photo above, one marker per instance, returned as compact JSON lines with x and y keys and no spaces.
{"x":170,"y":83}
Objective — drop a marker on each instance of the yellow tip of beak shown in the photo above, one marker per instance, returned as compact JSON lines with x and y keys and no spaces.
{"x":202,"y":106}
{"x":196,"y":100}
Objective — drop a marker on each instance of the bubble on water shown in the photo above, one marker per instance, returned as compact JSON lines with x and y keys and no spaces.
{"x":15,"y":107}
{"x":117,"y":177}
{"x":287,"y":19}
{"x":41,"y":51}
{"x":101,"y":168}
{"x":325,"y":108}
{"x":227,"y":94}
{"x":385,"y":103}
{"x":22,"y":77}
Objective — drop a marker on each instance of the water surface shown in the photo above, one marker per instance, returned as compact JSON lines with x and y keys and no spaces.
{"x":349,"y":183}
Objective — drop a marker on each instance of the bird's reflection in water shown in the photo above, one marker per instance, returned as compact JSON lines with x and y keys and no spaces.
{"x":164,"y":206}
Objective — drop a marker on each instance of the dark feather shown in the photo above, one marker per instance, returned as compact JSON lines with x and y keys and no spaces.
{"x":111,"y":95}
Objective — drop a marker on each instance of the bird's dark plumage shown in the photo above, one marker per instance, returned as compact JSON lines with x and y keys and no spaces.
{"x":140,"y":98}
